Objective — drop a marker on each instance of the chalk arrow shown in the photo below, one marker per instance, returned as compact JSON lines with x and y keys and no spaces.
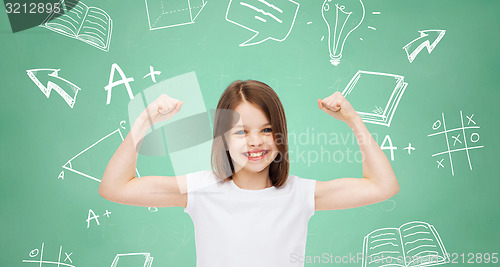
{"x":414,"y":47}
{"x":54,"y":82}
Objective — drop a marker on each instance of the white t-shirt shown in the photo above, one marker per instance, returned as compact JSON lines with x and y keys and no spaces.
{"x":237,"y":227}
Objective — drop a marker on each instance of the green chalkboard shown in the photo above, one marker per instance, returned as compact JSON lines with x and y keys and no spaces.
{"x":423,"y":74}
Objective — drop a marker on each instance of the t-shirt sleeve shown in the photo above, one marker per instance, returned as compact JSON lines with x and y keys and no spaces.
{"x":308,"y":187}
{"x":195,"y":183}
{"x":190,"y":184}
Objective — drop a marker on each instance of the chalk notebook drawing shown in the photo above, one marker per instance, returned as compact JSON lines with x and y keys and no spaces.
{"x":165,"y":14}
{"x":375,"y":95}
{"x":89,"y":24}
{"x":413,"y":244}
{"x":132,"y":259}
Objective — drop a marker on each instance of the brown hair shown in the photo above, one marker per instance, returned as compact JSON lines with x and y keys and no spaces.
{"x":264,"y":97}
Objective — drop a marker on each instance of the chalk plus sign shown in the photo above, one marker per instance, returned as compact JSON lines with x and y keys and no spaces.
{"x":152,"y":73}
{"x":410,"y":148}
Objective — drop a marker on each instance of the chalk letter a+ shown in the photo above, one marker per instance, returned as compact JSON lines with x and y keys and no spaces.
{"x":124,"y":80}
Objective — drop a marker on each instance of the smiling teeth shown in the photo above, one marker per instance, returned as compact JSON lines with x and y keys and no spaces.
{"x":252,"y":155}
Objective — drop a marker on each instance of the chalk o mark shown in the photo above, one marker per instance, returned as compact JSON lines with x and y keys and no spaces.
{"x":471,"y":137}
{"x":436,"y":125}
{"x":34,"y":253}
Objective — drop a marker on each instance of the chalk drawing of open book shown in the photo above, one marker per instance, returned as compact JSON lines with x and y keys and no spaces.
{"x":92,"y":161}
{"x":91,"y":25}
{"x":412,"y":244}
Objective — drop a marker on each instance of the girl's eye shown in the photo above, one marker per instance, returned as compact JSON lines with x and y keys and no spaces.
{"x":267,"y":130}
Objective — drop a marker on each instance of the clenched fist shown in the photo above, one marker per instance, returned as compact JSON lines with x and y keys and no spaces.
{"x":162,"y":108}
{"x":338,"y":107}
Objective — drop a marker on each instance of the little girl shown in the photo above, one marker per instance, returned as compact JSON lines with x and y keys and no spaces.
{"x":248,"y":210}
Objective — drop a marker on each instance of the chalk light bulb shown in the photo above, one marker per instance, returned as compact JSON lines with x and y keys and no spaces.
{"x":342,"y":17}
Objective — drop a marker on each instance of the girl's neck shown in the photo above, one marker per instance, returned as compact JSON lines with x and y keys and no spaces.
{"x":252,"y":180}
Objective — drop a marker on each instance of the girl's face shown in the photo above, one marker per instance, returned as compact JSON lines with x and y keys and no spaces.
{"x":251,"y":143}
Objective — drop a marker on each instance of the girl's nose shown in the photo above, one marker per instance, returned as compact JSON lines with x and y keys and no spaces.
{"x":254,"y":139}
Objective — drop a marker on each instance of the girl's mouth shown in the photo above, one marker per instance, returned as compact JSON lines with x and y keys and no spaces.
{"x":256,"y":156}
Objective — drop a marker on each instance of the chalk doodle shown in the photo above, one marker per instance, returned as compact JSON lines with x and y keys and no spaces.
{"x":383,"y":146}
{"x":459,"y":140}
{"x":92,"y":168}
{"x":409,"y":148}
{"x":91,"y":25}
{"x":152,"y":74}
{"x":375,"y":95}
{"x":92,"y":216}
{"x":413,"y":244}
{"x":341,"y":20}
{"x":388,"y":145}
{"x":132,"y":259}
{"x":112,"y":83}
{"x":165,"y":14}
{"x":413,"y":48}
{"x":272,"y":19}
{"x":39,"y":253}
{"x":64,"y":88}
{"x":123,"y":79}
{"x":89,"y":154}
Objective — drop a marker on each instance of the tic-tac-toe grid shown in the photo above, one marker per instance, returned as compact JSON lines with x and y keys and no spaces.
{"x":457,"y":139}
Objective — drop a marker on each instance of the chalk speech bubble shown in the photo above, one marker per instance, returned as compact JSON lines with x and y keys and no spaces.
{"x":269,"y":19}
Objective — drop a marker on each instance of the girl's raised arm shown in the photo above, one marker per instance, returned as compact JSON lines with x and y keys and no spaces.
{"x":379,"y":181}
{"x":119,"y":183}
